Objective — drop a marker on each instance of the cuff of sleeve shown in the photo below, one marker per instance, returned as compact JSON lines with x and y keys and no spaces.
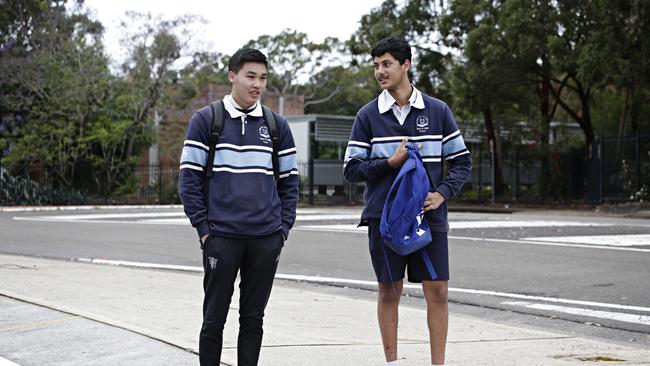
{"x":285,"y":231}
{"x":203,"y":228}
{"x":444,"y":190}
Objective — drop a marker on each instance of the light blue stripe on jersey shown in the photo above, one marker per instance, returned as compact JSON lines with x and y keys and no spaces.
{"x":453,"y":146}
{"x":194,"y":155}
{"x":288,"y":162}
{"x":430,"y":148}
{"x":385,"y":150}
{"x":243,"y":159}
{"x":356,"y":152}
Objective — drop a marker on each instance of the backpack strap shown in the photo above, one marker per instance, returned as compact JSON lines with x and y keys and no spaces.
{"x":216,"y":127}
{"x":275,"y":138}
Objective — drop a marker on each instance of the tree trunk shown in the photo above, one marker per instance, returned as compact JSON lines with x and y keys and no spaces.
{"x":491,"y":135}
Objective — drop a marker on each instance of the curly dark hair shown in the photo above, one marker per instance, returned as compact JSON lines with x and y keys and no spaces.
{"x":397,"y":47}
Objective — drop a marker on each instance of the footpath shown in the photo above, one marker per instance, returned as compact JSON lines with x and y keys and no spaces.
{"x":55,"y":312}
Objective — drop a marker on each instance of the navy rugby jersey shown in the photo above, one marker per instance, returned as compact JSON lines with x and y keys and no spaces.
{"x":375,"y":136}
{"x":243,"y":199}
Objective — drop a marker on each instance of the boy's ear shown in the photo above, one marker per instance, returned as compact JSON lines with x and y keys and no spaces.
{"x":231,"y":76}
{"x":407,"y":64}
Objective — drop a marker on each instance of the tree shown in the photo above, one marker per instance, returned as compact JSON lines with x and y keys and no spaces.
{"x":416,"y":21}
{"x":356,"y":86}
{"x":154,"y":46}
{"x":294,"y":59}
{"x":59,"y":73}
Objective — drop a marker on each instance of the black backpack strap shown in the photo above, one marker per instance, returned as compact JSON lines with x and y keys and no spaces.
{"x":216,"y":127}
{"x":275,"y":138}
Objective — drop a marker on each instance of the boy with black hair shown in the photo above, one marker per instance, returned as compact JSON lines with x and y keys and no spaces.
{"x":241,"y":214}
{"x":374,"y":155}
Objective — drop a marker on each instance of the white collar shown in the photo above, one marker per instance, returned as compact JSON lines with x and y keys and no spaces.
{"x":231,"y":107}
{"x":386,"y":101}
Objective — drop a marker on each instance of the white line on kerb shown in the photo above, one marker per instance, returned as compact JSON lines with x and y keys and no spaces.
{"x":351,"y":282}
{"x":621,"y":317}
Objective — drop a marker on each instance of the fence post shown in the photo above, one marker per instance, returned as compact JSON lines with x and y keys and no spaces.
{"x":493,"y":173}
{"x":599,"y":170}
{"x":311,"y":181}
{"x":160,"y":182}
{"x":637,"y":158}
{"x":516,"y":173}
{"x":480,"y":173}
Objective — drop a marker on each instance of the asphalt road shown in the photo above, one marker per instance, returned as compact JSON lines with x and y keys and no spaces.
{"x":588,"y":285}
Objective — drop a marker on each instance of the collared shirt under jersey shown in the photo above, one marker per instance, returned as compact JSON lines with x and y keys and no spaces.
{"x":386,"y":102}
{"x":234,"y":110}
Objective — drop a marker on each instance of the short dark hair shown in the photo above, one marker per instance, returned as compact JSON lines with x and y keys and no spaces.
{"x":245,"y":55}
{"x":397,"y":47}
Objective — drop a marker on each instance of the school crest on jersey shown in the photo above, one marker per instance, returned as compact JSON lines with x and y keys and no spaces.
{"x":422,"y":124}
{"x":264,"y":135}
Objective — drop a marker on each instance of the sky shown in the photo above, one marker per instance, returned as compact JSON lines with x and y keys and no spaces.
{"x":230,"y":24}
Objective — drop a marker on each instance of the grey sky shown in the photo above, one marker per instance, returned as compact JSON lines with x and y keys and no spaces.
{"x":232,"y":23}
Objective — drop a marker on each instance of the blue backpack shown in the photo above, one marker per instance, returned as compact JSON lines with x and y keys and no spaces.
{"x":403,"y":227}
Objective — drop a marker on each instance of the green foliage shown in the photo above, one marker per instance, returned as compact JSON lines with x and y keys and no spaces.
{"x":18,"y":190}
{"x":61,"y":106}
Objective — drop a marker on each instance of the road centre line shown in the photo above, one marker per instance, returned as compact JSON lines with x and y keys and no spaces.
{"x":621,"y":317}
{"x":351,"y":282}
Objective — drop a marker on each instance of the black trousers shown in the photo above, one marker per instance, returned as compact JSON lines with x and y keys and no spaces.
{"x":257,"y":259}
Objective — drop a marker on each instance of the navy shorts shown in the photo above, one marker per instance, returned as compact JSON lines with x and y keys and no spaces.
{"x":417,"y":269}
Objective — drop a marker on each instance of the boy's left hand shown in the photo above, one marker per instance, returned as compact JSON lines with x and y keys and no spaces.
{"x":433,"y":201}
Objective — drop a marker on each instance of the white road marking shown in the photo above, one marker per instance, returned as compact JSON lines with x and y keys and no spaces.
{"x":609,"y":315}
{"x":78,"y":208}
{"x":176,"y":217}
{"x":485,"y":224}
{"x":351,"y":282}
{"x":141,"y":264}
{"x":344,"y":228}
{"x":112,"y":216}
{"x":5,"y":362}
{"x":530,"y":242}
{"x":614,"y":240}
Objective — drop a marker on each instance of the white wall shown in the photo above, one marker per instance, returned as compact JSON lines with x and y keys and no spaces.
{"x":300,"y":131}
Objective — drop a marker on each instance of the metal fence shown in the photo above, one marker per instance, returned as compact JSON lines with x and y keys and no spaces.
{"x":619,"y":170}
{"x":23,"y":184}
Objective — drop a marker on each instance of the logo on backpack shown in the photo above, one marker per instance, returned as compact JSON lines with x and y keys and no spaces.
{"x":422,"y":124}
{"x":265,"y":137}
{"x":420,"y":231}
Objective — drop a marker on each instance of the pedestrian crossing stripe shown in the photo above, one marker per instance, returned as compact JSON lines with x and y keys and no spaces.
{"x":613,"y":240}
